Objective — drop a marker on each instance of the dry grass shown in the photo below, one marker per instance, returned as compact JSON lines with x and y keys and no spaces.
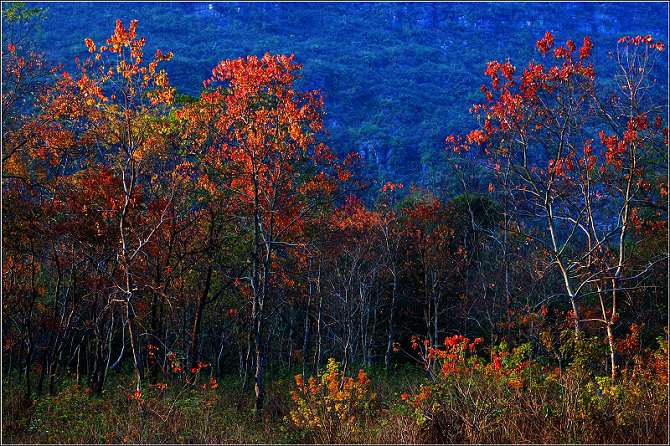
{"x":571,"y":409}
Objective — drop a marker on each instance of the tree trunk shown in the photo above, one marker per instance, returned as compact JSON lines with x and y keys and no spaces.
{"x":134,"y":347}
{"x":195,"y":331}
{"x":305,"y":333}
{"x":29,"y":360}
{"x":389,"y":335}
{"x":259,"y":377}
{"x":610,"y":341}
{"x":317,"y":352}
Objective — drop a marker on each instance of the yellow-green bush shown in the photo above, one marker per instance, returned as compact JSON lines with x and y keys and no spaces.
{"x":333,"y":407}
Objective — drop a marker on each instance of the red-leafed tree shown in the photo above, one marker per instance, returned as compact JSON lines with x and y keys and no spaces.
{"x":30,"y":161}
{"x":256,"y":140}
{"x":433,"y":258}
{"x":354,"y":263}
{"x":115,"y":110}
{"x":579,"y":169}
{"x":392,"y":237}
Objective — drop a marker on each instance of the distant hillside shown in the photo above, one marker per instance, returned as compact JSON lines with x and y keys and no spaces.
{"x":397,"y":77}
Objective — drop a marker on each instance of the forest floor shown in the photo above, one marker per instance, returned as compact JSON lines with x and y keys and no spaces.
{"x":569,"y":408}
{"x":184,"y":415}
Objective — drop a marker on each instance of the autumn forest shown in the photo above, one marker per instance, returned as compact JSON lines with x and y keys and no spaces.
{"x":208,"y":267}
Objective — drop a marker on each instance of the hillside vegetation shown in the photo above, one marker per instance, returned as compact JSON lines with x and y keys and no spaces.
{"x":396,"y":77}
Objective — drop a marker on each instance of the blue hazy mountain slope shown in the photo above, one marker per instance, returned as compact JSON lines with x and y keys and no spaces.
{"x":397,"y":77}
